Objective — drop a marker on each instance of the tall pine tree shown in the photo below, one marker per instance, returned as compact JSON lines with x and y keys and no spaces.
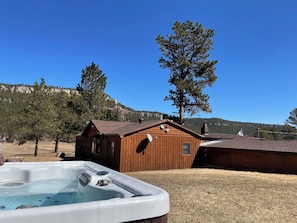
{"x":38,"y":118}
{"x":91,"y":88}
{"x":186,"y":54}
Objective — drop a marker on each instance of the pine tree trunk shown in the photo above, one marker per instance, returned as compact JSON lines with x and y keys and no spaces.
{"x":36,"y":147}
{"x":181,"y":114}
{"x":56,"y":144}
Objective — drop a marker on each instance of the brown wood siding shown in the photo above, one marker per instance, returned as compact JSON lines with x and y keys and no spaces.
{"x":134,"y":153}
{"x":92,"y":132}
{"x":79,"y":143}
{"x":114,"y":158}
{"x":164,"y":152}
{"x":266,"y":161}
{"x":83,"y":147}
{"x":105,"y":157}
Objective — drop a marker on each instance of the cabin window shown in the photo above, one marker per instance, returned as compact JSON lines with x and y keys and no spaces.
{"x":112,"y":147}
{"x":186,"y":148}
{"x":96,"y":145}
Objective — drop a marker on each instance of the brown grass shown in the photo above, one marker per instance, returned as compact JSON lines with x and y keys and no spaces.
{"x":211,"y":195}
{"x":203,"y":195}
{"x":46,"y":152}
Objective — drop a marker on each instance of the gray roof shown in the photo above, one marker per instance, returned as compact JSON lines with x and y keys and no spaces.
{"x":216,"y":136}
{"x":248,"y":143}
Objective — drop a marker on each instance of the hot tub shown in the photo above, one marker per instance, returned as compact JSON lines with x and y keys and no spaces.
{"x":77,"y":191}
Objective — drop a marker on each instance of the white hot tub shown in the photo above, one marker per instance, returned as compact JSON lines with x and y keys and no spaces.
{"x":77,"y":191}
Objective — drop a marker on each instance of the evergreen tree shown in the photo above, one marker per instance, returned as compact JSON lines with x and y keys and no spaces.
{"x":291,"y":125}
{"x":12,"y":103}
{"x":65,"y":118}
{"x":79,"y":109}
{"x":38,"y":117}
{"x":289,"y":132}
{"x":186,"y":55}
{"x":292,"y":119}
{"x":91,"y":88}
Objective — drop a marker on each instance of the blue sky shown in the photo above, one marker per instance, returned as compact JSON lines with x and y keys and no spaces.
{"x":255,"y":44}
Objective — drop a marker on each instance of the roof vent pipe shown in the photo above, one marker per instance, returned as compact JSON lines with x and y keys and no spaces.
{"x":204,"y":129}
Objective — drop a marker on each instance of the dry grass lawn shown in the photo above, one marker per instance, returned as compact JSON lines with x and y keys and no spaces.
{"x":211,"y":195}
{"x":46,"y":152}
{"x":203,"y":195}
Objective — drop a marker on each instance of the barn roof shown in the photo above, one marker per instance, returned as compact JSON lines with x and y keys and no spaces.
{"x":125,"y":128}
{"x":249,"y":143}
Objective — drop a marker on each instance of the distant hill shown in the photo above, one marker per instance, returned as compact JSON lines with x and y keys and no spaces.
{"x":21,"y":88}
{"x":216,"y":125}
{"x":127,"y":114}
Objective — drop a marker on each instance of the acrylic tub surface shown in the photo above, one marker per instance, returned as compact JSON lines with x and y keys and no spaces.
{"x":75,"y":192}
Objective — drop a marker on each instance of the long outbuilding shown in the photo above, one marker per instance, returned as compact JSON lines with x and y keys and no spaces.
{"x":247,"y":153}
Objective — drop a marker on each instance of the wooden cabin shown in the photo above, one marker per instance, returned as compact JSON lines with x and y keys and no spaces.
{"x":130,"y":146}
